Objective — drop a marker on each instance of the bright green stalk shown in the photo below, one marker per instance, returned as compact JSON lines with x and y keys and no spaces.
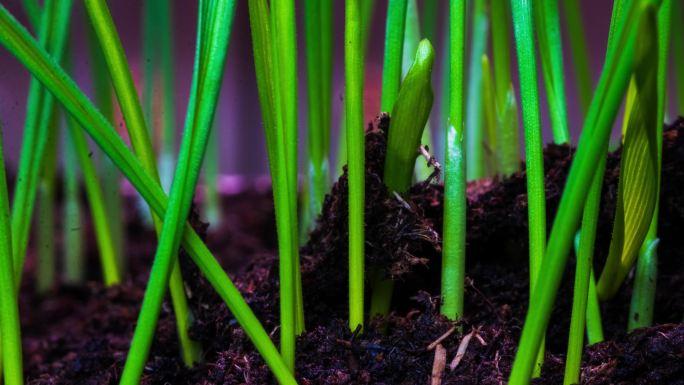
{"x":353,"y":74}
{"x":643,"y":294}
{"x":507,"y":134}
{"x":678,"y":52}
{"x":275,"y":145}
{"x":214,"y":27}
{"x":367,"y":7}
{"x":534,"y":159}
{"x":453,"y":252}
{"x":547,"y":23}
{"x":473,"y":125}
{"x":489,"y":103}
{"x":394,"y":45}
{"x":318,"y":31}
{"x":18,"y":41}
{"x":10,"y":329}
{"x":73,"y":216}
{"x":583,"y":275}
{"x":45,"y":215}
{"x":594,"y":138}
{"x":102,"y":23}
{"x":580,"y":53}
{"x":96,"y":201}
{"x":285,"y":73}
{"x":501,"y":51}
{"x":111,"y":178}
{"x":52,"y":35}
{"x":594,"y":323}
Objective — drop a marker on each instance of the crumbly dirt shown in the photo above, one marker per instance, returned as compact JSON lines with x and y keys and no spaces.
{"x":80,"y":334}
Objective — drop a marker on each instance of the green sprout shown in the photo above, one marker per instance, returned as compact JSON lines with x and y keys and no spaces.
{"x":580,"y":52}
{"x":453,"y":250}
{"x":10,"y":330}
{"x":394,"y":45}
{"x":475,"y":164}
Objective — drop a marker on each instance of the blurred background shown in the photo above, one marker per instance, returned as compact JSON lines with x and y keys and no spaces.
{"x":239,"y":131}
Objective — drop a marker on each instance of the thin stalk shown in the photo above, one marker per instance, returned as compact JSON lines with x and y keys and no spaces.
{"x":507,"y":134}
{"x":96,"y":201}
{"x":318,"y":31}
{"x":534,"y":159}
{"x":394,"y":45}
{"x":453,"y":252}
{"x":111,"y":177}
{"x":33,"y":11}
{"x":489,"y":106}
{"x":643,"y":294}
{"x":10,"y":329}
{"x":594,"y":138}
{"x":214,"y":27}
{"x":473,"y":125}
{"x":45,"y":215}
{"x":594,"y":323}
{"x":73,"y":215}
{"x":20,"y":43}
{"x":367,"y":8}
{"x":583,"y":275}
{"x":353,"y":90}
{"x":285,"y":72}
{"x":102,"y":23}
{"x":551,"y":52}
{"x":52,"y":36}
{"x":212,"y":199}
{"x":579,"y":51}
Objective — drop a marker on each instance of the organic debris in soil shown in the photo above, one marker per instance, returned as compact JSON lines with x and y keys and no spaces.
{"x":403,"y":240}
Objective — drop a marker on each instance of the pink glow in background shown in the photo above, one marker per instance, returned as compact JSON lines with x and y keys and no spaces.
{"x":242,"y":148}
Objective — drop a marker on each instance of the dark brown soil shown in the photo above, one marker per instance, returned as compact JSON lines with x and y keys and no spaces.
{"x":80,"y":335}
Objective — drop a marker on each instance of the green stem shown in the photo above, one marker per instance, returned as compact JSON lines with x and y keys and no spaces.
{"x":394,"y":45}
{"x":678,"y":52}
{"x":534,"y":160}
{"x":473,"y":124}
{"x":353,"y":71}
{"x":551,"y":52}
{"x":583,"y":268}
{"x":45,"y":215}
{"x":501,"y":51}
{"x":643,"y":294}
{"x":73,"y":216}
{"x":10,"y":329}
{"x":18,"y":41}
{"x":579,"y":51}
{"x":212,"y":199}
{"x":102,"y":23}
{"x":594,"y":323}
{"x":453,"y":251}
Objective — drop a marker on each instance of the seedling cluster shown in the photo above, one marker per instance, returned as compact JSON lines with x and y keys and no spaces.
{"x":478,"y":131}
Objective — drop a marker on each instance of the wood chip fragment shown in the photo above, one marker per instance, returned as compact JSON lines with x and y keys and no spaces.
{"x":438,"y":365}
{"x":460,"y":352}
{"x":441,"y":338}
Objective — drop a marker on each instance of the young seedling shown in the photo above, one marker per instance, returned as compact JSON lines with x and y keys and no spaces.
{"x":579,"y":52}
{"x":19,"y":43}
{"x":453,"y":249}
{"x":394,"y":45}
{"x":45,"y":215}
{"x":73,"y":216}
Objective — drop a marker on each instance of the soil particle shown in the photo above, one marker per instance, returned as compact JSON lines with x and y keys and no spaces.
{"x":89,"y":328}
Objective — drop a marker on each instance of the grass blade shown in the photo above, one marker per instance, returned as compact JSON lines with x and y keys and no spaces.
{"x":394,"y":45}
{"x":507,"y":133}
{"x":45,"y":215}
{"x":73,"y":216}
{"x":10,"y":329}
{"x":453,"y":253}
{"x":547,"y":23}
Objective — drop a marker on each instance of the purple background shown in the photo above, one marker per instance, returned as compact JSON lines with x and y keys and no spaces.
{"x":242,"y":148}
